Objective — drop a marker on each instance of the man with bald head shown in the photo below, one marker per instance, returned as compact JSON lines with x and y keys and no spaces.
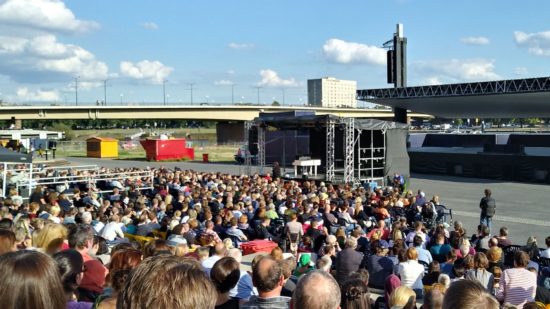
{"x":316,"y":290}
{"x":268,"y":278}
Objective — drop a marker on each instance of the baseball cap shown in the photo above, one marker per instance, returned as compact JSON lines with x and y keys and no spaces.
{"x":305,"y":259}
{"x":175,"y":240}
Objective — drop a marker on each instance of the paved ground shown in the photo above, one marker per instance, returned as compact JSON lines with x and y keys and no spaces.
{"x":523,"y":208}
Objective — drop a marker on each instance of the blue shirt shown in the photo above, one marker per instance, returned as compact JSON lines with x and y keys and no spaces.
{"x":424,"y":255}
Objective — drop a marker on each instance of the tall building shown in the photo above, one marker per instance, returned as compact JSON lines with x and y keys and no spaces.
{"x":331,"y":92}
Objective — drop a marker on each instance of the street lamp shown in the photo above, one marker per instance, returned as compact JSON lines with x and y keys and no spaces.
{"x":76,"y":89}
{"x":191,"y":88}
{"x":258,"y":88}
{"x":105,"y":91}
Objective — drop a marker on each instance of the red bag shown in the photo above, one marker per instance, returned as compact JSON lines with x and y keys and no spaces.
{"x":259,"y":245}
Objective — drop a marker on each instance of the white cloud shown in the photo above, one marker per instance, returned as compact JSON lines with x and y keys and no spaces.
{"x":270,"y":78}
{"x":537,"y":43}
{"x":475,"y":40}
{"x":434,"y":80}
{"x":231,"y":72}
{"x":456,"y":70}
{"x":43,"y":58}
{"x":340,"y":51}
{"x":24,"y":94}
{"x":150,"y":26}
{"x":151,"y":71}
{"x":30,"y":51}
{"x":240,"y":45}
{"x":44,"y":15}
{"x":521,"y":71}
{"x":223,"y":82}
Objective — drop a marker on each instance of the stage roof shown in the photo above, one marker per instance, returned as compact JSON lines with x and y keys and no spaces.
{"x":518,"y":98}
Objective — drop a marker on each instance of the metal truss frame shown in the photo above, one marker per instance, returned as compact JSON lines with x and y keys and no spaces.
{"x":329,"y":164}
{"x":349,"y":147}
{"x":369,"y":156}
{"x":247,"y":158}
{"x":540,"y":84}
{"x":261,"y":148}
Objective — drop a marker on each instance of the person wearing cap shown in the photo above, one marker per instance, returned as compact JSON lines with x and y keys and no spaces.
{"x":178,"y":245}
{"x":379,"y":265}
{"x":304,"y":265}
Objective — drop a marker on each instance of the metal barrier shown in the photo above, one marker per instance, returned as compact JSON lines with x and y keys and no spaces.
{"x":88,"y":174}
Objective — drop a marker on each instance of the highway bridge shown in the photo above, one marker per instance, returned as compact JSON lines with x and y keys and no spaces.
{"x":184,"y":112}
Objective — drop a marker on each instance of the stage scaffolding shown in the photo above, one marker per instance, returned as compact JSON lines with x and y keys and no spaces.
{"x":363,"y":157}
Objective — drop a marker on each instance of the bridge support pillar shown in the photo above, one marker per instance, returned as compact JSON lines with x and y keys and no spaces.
{"x":230,"y":132}
{"x":400,"y":115}
{"x":17,"y":123}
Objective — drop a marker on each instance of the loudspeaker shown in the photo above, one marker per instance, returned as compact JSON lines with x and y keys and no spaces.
{"x":253,"y":141}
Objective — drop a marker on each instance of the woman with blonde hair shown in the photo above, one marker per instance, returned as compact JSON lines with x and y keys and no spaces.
{"x":403,"y":297}
{"x":51,"y":239}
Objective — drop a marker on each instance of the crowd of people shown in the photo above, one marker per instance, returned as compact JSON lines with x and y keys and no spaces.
{"x":174,"y":241}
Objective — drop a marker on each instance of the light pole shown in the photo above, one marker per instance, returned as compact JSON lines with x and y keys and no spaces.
{"x":191,"y":88}
{"x":105,"y":91}
{"x":164,"y":91}
{"x":258,"y":88}
{"x":121,"y":96}
{"x":76,"y":89}
{"x":283,"y":95}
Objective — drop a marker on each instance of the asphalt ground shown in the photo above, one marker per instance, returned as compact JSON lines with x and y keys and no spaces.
{"x":523,"y":208}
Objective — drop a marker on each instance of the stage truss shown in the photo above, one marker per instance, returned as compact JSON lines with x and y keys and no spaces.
{"x":364,"y":165}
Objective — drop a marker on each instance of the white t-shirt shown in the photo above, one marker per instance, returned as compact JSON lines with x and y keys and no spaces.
{"x":411,"y":273}
{"x":545,"y":253}
{"x":111,"y":231}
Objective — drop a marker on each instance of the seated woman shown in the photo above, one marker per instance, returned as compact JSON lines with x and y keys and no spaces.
{"x":355,"y":294}
{"x":71,"y":267}
{"x":30,"y":279}
{"x":225,"y":275}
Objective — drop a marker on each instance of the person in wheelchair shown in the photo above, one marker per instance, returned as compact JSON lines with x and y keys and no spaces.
{"x":429,"y":214}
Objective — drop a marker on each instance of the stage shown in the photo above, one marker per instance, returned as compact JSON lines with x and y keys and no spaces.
{"x":492,"y":156}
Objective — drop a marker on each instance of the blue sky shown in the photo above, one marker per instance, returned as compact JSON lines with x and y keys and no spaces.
{"x":276,"y":45}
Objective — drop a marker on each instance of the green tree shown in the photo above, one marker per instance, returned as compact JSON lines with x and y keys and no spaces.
{"x":58,"y":126}
{"x":275,"y":103}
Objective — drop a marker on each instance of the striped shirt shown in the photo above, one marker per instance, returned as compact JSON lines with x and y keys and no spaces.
{"x":517,"y":287}
{"x":256,"y":302}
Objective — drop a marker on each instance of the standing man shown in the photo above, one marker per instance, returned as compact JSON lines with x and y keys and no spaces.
{"x":488,"y":206}
{"x":276,"y":173}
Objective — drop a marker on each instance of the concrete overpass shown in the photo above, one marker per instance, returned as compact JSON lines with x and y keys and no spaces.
{"x":187,"y":112}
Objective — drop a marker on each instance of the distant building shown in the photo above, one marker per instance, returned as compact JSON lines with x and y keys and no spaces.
{"x":331,"y":92}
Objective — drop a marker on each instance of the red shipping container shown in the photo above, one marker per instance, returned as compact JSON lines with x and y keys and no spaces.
{"x":259,"y":245}
{"x":167,"y":149}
